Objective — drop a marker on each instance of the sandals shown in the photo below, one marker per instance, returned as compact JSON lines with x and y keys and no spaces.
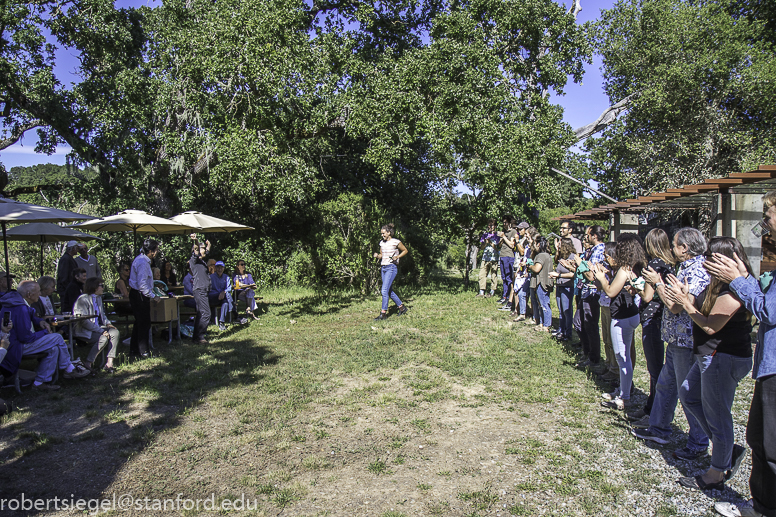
{"x":697,"y":483}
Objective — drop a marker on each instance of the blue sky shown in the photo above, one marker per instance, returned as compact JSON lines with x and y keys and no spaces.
{"x":582,"y":103}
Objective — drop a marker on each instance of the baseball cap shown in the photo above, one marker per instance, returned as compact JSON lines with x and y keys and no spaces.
{"x":70,"y":244}
{"x":523,"y":225}
{"x":220,"y":263}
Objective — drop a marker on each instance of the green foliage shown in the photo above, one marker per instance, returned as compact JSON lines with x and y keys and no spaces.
{"x":703,"y":78}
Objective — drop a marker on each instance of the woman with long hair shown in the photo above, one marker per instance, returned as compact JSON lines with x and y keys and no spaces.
{"x":168,"y":274}
{"x":564,"y":284}
{"x":723,"y":356}
{"x":391,"y":250}
{"x":541,"y":283}
{"x":661,"y":261}
{"x":627,"y":262}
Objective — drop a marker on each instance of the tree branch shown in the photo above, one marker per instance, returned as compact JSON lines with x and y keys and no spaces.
{"x":606,"y":118}
{"x":17,"y":133}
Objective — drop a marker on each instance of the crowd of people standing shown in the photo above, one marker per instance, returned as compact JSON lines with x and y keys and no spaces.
{"x":695,"y":300}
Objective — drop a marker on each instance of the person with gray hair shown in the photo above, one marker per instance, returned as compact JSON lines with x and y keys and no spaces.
{"x":25,"y":340}
{"x":44,"y":307}
{"x":689,"y":245}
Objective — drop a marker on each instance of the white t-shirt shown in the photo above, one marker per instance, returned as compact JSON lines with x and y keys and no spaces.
{"x":389,"y":249}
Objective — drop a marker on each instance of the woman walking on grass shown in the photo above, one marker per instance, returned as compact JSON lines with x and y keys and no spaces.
{"x":723,"y":356}
{"x":391,"y":250}
{"x":627,"y":262}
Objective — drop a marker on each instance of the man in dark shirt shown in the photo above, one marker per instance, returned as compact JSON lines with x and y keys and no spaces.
{"x":65,"y":267}
{"x":200,"y":287}
{"x":507,"y":256}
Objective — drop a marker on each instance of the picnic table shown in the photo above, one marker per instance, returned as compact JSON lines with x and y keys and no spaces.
{"x":60,"y":320}
{"x":167,"y":317}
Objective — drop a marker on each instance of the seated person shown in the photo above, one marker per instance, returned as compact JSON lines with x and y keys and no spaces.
{"x":98,"y":331}
{"x":211,"y":266}
{"x":122,"y":284}
{"x":4,"y":344}
{"x":160,"y":288}
{"x":74,"y":290}
{"x":221,"y":293}
{"x":188,"y":289}
{"x":44,"y":307}
{"x":5,"y":283}
{"x":168,"y":275}
{"x":25,"y":340}
{"x":244,"y":287}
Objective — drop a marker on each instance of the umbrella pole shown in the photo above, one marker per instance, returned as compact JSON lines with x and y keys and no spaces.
{"x":5,"y":246}
{"x":42,"y":245}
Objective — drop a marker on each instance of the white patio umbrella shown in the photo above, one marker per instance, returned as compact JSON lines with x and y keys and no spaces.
{"x":133,"y":221}
{"x":15,"y":212}
{"x":46,"y":232}
{"x":208,"y":223}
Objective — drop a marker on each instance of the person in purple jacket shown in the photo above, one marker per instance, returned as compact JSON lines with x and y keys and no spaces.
{"x":25,"y":340}
{"x":244,"y":286}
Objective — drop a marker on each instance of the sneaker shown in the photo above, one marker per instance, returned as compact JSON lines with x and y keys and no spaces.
{"x":221,"y":326}
{"x":402,"y":311}
{"x":243,"y":321}
{"x":611,"y":396}
{"x":584,"y":363}
{"x":732,"y":510}
{"x":687,"y":454}
{"x":501,"y":300}
{"x":519,"y":318}
{"x":79,"y":372}
{"x":636,"y":415}
{"x":46,"y":386}
{"x":381,"y":317}
{"x":646,"y":434}
{"x":505,"y":308}
{"x":617,"y":403}
{"x":481,"y":294}
{"x":642,"y":423}
{"x":490,"y":295}
{"x":601,"y":369}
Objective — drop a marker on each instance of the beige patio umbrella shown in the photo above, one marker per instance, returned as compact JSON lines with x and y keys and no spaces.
{"x":208,"y":223}
{"x":16,"y":212}
{"x":134,"y":221}
{"x":46,"y":232}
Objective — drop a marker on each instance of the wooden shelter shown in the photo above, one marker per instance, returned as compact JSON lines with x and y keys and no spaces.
{"x":735,"y":202}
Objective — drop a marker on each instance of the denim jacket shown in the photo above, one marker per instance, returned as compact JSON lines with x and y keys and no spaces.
{"x":763,"y":306}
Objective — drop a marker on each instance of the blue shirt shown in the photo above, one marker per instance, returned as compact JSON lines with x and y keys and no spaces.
{"x":763,"y":306}
{"x":220,"y":285}
{"x":596,"y":256}
{"x":677,"y":328}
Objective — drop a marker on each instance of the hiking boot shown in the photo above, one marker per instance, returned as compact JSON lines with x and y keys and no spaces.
{"x":402,"y":311}
{"x":382,"y":316}
{"x":646,"y":434}
{"x":637,"y":415}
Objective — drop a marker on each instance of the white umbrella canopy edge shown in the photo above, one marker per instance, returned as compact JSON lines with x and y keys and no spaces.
{"x":208,"y":223}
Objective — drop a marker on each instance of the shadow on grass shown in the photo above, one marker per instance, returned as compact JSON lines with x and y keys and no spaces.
{"x":73,"y":442}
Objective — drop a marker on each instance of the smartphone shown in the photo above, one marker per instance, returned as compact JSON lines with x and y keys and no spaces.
{"x":6,"y":319}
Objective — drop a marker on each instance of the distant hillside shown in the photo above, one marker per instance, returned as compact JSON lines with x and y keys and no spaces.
{"x":47,"y":174}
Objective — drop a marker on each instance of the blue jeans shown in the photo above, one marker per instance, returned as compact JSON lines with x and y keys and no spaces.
{"x":542,"y":311}
{"x":522,"y":296}
{"x":507,"y":274}
{"x":622,"y":331}
{"x":654,"y":352}
{"x":563,"y":298}
{"x":708,"y":393}
{"x":678,"y":362}
{"x":389,"y":273}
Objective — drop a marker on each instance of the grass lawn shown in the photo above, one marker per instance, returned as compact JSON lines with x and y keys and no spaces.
{"x":317,"y":410}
